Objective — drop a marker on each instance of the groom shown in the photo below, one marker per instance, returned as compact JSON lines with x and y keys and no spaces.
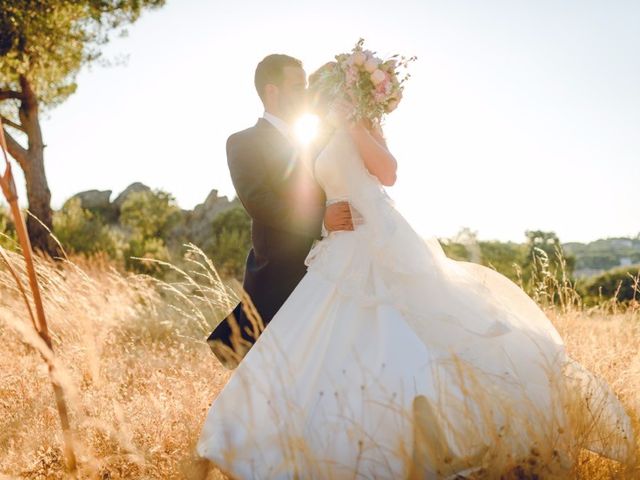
{"x":273,"y":178}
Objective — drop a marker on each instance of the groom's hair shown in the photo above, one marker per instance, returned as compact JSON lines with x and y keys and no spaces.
{"x":271,"y":70}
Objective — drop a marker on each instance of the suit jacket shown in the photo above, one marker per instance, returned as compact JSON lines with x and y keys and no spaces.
{"x":277,"y":188}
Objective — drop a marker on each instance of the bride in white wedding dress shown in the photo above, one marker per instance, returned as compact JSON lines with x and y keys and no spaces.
{"x":390,"y":360}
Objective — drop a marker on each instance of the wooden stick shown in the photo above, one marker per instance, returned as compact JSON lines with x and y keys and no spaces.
{"x":8,"y":186}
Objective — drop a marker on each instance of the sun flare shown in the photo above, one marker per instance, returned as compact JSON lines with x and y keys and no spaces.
{"x":306,"y":128}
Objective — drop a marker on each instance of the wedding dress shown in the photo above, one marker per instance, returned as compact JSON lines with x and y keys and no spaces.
{"x":390,"y":360}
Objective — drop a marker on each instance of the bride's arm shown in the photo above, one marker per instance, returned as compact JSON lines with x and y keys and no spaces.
{"x":374,"y":152}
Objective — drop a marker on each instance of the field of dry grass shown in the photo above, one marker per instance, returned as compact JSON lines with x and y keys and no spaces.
{"x":139,"y":377}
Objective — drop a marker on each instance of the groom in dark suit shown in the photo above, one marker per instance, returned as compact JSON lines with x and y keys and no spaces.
{"x":274,"y":181}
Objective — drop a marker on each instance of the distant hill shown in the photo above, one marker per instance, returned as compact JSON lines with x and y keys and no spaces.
{"x":596,"y":257}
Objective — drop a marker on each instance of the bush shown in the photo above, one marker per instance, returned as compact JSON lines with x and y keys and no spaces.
{"x":231,"y":241}
{"x":150,"y":213}
{"x":80,"y":231}
{"x":618,"y":283}
{"x":151,"y":248}
{"x":454,"y":250}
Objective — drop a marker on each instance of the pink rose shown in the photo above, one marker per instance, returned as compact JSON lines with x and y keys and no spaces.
{"x":379,"y":97}
{"x":371,"y":65}
{"x":359,"y":58}
{"x":385,"y":85}
{"x":377,"y":76}
{"x":351,"y":75}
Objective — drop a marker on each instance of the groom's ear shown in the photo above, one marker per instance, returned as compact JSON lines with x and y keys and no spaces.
{"x":269,"y":92}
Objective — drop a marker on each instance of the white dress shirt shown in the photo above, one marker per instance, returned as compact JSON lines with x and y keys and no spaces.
{"x":284,"y":128}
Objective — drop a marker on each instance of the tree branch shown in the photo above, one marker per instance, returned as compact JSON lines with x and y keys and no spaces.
{"x":13,"y":124}
{"x":16,"y":150}
{"x":10,"y":95}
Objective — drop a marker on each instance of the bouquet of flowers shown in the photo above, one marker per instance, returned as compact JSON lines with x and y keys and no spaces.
{"x":374,"y":86}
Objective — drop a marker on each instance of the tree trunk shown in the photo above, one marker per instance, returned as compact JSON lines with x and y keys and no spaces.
{"x":31,"y":160}
{"x":39,"y":198}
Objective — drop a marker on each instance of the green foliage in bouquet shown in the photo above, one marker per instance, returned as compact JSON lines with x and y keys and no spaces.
{"x":373,"y":85}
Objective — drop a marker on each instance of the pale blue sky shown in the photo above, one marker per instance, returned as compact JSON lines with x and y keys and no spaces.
{"x":519,"y":115}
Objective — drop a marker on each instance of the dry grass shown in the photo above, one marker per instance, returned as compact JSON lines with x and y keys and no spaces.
{"x":139,"y":377}
{"x":608,"y":344}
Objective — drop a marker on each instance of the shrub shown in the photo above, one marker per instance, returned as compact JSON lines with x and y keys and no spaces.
{"x":81,"y":231}
{"x":231,"y":241}
{"x":141,"y":247}
{"x":619,"y":284}
{"x":150,"y":213}
{"x":454,"y":250}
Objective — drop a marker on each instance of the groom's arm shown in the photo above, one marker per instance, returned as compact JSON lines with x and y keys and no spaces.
{"x":262,"y":201}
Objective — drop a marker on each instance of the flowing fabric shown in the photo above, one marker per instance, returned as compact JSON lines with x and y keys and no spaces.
{"x":391,"y":360}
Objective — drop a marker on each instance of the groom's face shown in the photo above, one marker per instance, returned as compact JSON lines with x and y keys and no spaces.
{"x":291,"y":94}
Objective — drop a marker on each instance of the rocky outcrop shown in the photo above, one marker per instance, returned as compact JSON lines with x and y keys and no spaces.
{"x":91,"y":199}
{"x":195,"y":225}
{"x":197,"y":222}
{"x":98,"y":202}
{"x":134,"y":187}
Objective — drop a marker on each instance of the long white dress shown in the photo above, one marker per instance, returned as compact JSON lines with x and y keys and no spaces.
{"x":390,"y":360}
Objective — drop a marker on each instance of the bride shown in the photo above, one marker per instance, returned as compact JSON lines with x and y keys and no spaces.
{"x":391,"y":360}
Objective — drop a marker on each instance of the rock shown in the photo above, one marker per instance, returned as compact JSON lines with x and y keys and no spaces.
{"x":197,"y":225}
{"x":94,"y":199}
{"x":134,"y":187}
{"x":97,"y":201}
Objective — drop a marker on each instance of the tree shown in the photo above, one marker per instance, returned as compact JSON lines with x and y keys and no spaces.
{"x":43,"y":45}
{"x":505,"y":257}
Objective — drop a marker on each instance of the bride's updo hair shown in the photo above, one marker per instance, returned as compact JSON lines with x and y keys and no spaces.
{"x":321,"y":94}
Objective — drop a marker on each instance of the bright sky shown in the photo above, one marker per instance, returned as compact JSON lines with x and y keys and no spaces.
{"x":519,"y":114}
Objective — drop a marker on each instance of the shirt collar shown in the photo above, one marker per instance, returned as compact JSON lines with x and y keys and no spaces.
{"x":280,"y":124}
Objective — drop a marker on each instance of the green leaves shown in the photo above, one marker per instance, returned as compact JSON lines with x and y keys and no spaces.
{"x":232,"y":241}
{"x":151,"y":214}
{"x":81,"y":231}
{"x":48,"y":41}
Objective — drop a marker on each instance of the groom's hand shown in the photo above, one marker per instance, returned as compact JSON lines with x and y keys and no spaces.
{"x":337,"y":216}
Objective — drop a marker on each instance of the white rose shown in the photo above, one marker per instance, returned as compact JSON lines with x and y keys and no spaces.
{"x":371,"y":65}
{"x":359,"y":58}
{"x":377,"y":76}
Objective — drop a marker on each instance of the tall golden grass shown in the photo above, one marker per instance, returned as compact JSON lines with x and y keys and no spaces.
{"x":139,"y":377}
